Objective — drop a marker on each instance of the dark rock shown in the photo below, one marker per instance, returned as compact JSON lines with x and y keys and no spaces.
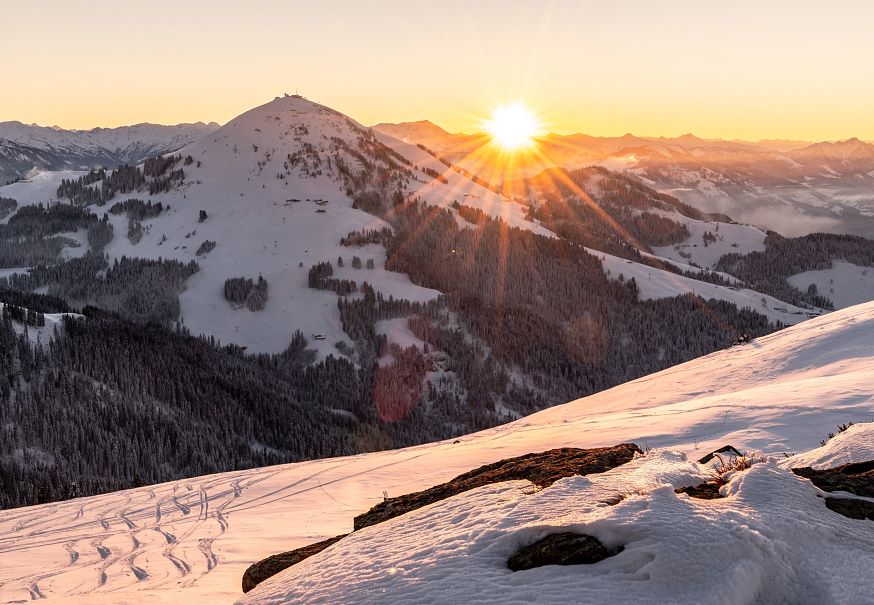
{"x":857,"y":478}
{"x":272,"y":565}
{"x":725,"y":449}
{"x":851,"y":507}
{"x":704,"y":491}
{"x":566,"y":548}
{"x":542,"y":469}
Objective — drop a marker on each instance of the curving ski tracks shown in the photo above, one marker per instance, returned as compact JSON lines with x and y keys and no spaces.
{"x":108,"y":549}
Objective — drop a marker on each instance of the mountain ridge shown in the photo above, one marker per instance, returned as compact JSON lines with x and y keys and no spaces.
{"x":27,"y":148}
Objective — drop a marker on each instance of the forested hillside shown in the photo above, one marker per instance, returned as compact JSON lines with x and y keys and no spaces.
{"x":527,"y":321}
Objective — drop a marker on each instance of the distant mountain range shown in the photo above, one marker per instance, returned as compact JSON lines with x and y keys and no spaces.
{"x":793,"y":187}
{"x":27,"y":148}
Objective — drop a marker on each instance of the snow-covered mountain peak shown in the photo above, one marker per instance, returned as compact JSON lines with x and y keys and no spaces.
{"x":293,"y":148}
{"x":279,"y":187}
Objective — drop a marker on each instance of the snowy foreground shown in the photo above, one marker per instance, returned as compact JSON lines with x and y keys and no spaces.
{"x":772,"y":540}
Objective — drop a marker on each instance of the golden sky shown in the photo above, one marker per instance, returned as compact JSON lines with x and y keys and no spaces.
{"x":764,"y":69}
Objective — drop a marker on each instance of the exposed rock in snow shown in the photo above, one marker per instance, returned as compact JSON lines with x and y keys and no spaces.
{"x":745,"y":548}
{"x":542,"y":469}
{"x":563,"y":548}
{"x":272,"y":565}
{"x":856,"y":478}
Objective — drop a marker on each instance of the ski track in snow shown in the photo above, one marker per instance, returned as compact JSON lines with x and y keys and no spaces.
{"x":122,"y":534}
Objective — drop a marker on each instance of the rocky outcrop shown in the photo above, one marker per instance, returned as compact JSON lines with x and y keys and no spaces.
{"x":272,"y":565}
{"x":851,"y":507}
{"x":565,"y":548}
{"x":542,"y":469}
{"x":704,"y":491}
{"x":856,"y":479}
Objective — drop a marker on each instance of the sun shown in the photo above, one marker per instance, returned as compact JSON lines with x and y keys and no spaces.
{"x":513,"y":126}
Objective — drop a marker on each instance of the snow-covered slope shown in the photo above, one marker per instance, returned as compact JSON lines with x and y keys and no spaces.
{"x":41,"y":188}
{"x":728,"y":238}
{"x":659,"y":283}
{"x":42,"y":334}
{"x":771,"y":540}
{"x":272,"y":185}
{"x":845,"y":284}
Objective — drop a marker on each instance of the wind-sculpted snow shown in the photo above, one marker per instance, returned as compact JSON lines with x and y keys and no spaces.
{"x":747,"y":548}
{"x":191,"y":540}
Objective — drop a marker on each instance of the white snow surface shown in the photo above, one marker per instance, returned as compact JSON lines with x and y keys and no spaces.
{"x":655,"y":283}
{"x":41,"y":188}
{"x":771,"y":540}
{"x":730,"y":238}
{"x":397,"y":332}
{"x":746,"y":549}
{"x":845,"y":284}
{"x":854,"y":444}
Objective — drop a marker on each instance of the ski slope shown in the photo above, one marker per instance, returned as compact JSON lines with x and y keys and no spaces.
{"x":191,"y":540}
{"x":41,"y":188}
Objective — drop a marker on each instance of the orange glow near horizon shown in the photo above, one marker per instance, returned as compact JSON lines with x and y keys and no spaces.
{"x":748,"y":70}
